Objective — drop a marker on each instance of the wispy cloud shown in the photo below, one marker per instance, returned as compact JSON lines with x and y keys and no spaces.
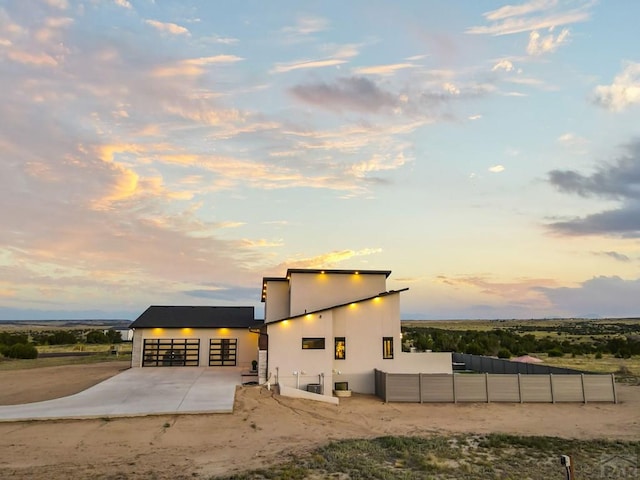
{"x":194,"y":66}
{"x":363,"y":94}
{"x":620,"y":257}
{"x":168,"y":27}
{"x":357,"y":93}
{"x":307,"y":25}
{"x":496,"y":169}
{"x":329,"y":259}
{"x":300,"y":65}
{"x":531,"y":16}
{"x":341,"y":54}
{"x":521,"y":290}
{"x":389,"y":69}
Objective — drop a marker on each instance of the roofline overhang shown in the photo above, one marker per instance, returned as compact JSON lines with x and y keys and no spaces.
{"x":386,"y":273}
{"x":382,"y":294}
{"x":318,"y":271}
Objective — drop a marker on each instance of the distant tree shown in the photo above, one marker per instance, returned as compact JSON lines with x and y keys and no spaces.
{"x":62,"y":337}
{"x":474,"y":349}
{"x":96,"y":336}
{"x":504,"y":353}
{"x":113,"y":336}
{"x":11,"y":338}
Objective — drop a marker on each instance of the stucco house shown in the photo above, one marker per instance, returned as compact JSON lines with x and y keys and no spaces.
{"x":328,"y":327}
{"x":184,"y":336}
{"x":322,"y":329}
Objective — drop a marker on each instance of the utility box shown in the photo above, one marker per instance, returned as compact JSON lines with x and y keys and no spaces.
{"x":314,"y":388}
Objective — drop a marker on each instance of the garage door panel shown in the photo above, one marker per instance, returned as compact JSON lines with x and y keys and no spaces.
{"x":171,"y":352}
{"x":223,"y":352}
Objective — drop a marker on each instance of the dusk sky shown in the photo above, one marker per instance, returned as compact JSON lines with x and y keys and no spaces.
{"x":175,"y":152}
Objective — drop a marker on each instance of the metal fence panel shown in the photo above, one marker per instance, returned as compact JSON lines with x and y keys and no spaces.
{"x":567,"y":388}
{"x":403,"y":387}
{"x":600,"y":388}
{"x":470,"y":388}
{"x":483,"y":364}
{"x":437,"y":388}
{"x":503,"y":388}
{"x":535,"y":388}
{"x":395,"y":387}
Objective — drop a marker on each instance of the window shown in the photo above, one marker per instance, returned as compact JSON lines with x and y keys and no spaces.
{"x":340,"y":348}
{"x":387,"y":347}
{"x":313,"y":343}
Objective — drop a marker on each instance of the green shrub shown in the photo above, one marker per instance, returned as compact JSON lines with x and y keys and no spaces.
{"x":20,"y":350}
{"x":504,"y":353}
{"x":598,"y":355}
{"x":555,"y":352}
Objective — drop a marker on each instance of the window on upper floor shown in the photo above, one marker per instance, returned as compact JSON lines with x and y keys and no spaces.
{"x":340,"y":348}
{"x":313,"y":343}
{"x":387,"y":348}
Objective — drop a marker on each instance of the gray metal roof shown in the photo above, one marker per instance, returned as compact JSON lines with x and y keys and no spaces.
{"x":195,"y":317}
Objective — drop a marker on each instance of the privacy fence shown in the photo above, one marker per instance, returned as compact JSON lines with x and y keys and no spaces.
{"x":479,"y":363}
{"x":487,"y":387}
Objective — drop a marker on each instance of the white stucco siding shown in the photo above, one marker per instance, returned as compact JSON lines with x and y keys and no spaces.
{"x":287,"y":356}
{"x":277,"y":300}
{"x":247,"y":346}
{"x":314,"y":291}
{"x":364,"y":325}
{"x":423,"y":362}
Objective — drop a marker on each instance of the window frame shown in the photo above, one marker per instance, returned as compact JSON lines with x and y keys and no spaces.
{"x":387,"y":348}
{"x":313,"y":343}
{"x":336,"y":342}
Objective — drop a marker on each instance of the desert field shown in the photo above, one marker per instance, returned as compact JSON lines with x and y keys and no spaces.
{"x":264,"y":429}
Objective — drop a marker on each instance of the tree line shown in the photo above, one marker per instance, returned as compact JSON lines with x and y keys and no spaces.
{"x":507,"y":343}
{"x":23,"y":344}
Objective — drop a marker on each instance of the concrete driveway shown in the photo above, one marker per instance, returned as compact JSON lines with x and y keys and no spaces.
{"x":141,"y":391}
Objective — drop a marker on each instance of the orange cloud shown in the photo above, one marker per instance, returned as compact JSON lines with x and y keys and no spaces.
{"x":194,"y":66}
{"x":37,"y":59}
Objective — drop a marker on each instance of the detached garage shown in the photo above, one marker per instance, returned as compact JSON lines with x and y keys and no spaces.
{"x":170,"y":336}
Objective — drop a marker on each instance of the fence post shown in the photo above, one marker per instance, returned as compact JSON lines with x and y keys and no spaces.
{"x":420,"y":386}
{"x":553,"y":398}
{"x":519,"y":388}
{"x":386,"y":389}
{"x":453,"y":377}
{"x":486,"y":385}
{"x":613,"y":385}
{"x":584,"y":393}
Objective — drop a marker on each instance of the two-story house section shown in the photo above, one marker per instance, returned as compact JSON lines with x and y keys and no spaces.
{"x":333,"y":326}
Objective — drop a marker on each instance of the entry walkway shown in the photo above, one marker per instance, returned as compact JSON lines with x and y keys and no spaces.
{"x":141,"y":391}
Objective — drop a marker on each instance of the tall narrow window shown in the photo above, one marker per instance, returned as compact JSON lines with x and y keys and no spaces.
{"x":387,"y":347}
{"x":340,"y":348}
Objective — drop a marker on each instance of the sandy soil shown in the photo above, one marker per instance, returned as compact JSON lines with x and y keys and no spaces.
{"x":266,"y":428}
{"x":39,"y":384}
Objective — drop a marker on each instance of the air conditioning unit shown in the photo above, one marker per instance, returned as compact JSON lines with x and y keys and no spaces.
{"x":314,"y":388}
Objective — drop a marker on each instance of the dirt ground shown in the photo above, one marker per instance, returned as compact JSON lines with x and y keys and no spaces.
{"x":264,"y":428}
